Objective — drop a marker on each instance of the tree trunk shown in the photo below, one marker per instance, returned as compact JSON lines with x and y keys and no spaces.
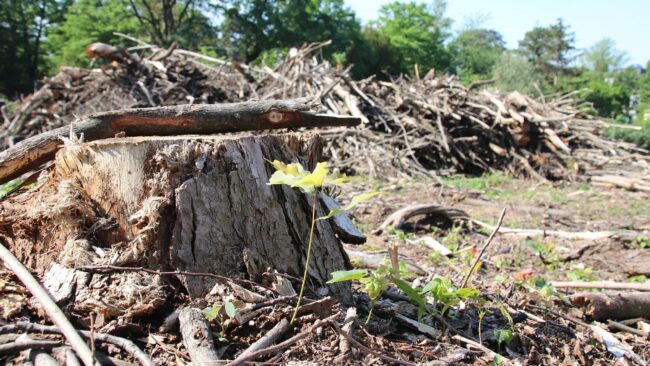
{"x":196,"y":204}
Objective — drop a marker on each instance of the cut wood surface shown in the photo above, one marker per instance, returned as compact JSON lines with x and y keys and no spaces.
{"x":173,"y":120}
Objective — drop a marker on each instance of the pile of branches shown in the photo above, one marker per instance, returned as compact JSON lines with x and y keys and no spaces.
{"x":412,"y":126}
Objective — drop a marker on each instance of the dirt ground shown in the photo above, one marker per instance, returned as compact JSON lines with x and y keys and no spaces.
{"x":512,"y":263}
{"x":518,"y":316}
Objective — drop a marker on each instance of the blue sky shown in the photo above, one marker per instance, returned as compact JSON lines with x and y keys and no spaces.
{"x":627,"y":22}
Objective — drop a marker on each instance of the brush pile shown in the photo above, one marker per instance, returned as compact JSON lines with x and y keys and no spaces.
{"x":412,"y":126}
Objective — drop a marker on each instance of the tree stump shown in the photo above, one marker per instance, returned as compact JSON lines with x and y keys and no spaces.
{"x":195,"y":204}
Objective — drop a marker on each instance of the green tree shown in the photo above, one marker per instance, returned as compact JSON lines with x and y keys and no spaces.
{"x":417,"y":34}
{"x":514,"y":72}
{"x":89,"y":21}
{"x":23,"y":26}
{"x":251,"y":27}
{"x":185,"y":22}
{"x":549,"y":49}
{"x":603,"y":57}
{"x":476,"y":51}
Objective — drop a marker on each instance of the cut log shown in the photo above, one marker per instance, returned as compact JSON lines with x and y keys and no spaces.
{"x":620,"y":305}
{"x":175,"y":120}
{"x":194,"y":204}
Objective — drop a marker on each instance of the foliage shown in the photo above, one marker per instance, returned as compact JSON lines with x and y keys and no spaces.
{"x":513,"y":72}
{"x":220,"y":313}
{"x":213,"y":312}
{"x":416,"y":33}
{"x":581,"y":273}
{"x":546,"y":251}
{"x":88,"y":21}
{"x":609,"y":100}
{"x":251,"y":27}
{"x":10,"y":186}
{"x":296,"y":176}
{"x":166,"y":21}
{"x":23,"y":27}
{"x":638,"y":137}
{"x":503,"y":336}
{"x":373,"y":283}
{"x":439,"y":290}
{"x":476,"y":51}
{"x":603,"y":57}
{"x":549,"y":49}
{"x":641,"y":242}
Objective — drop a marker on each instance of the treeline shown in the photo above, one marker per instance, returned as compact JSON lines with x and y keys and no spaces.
{"x":38,"y":36}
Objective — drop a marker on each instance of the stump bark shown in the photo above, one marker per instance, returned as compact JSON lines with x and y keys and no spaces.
{"x":196,"y":204}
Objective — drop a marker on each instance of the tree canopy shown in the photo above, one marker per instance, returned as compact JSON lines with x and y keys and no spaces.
{"x":416,"y":33}
{"x":476,"y":51}
{"x":40,"y":35}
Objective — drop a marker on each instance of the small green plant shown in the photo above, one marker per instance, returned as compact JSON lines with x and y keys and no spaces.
{"x":638,"y":278}
{"x":545,"y":251}
{"x":440,"y":290}
{"x":217,"y":312}
{"x":436,"y":257}
{"x":374,"y":283}
{"x":581,"y":273}
{"x":399,"y":234}
{"x":9,"y":187}
{"x":295,"y":176}
{"x":503,"y":336}
{"x":444,"y":293}
{"x":453,"y":240}
{"x":641,"y":242}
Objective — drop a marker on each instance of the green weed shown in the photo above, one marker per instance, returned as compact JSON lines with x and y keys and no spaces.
{"x":295,"y":176}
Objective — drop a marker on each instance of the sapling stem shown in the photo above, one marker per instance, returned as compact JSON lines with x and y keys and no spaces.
{"x":372,"y":306}
{"x":311,"y":237}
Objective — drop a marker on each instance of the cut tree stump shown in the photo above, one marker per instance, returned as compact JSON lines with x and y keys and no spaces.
{"x":187,"y":203}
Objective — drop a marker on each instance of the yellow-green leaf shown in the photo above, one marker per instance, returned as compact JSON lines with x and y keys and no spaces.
{"x":353,"y":203}
{"x":315,"y":179}
{"x":294,"y":169}
{"x":336,"y":179}
{"x":280,"y":177}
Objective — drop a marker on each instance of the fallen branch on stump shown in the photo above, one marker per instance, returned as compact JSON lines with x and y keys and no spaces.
{"x":163,"y":121}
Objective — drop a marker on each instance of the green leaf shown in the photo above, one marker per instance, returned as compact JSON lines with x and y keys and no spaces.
{"x":230,"y":309}
{"x":211,"y":312}
{"x":467,"y":293}
{"x":374,"y":286}
{"x":280,"y":177}
{"x":412,"y":294}
{"x":356,"y":200}
{"x":503,"y":336}
{"x":547,"y":291}
{"x":293,"y":169}
{"x":342,"y":276}
{"x":313,"y":180}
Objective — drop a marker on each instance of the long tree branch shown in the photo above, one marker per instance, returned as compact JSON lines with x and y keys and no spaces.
{"x":165,"y":121}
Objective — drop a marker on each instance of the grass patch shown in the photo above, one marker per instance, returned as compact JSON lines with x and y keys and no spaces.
{"x":639,"y":137}
{"x":484,"y":183}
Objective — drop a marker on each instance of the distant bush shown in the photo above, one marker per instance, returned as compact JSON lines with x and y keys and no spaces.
{"x":639,"y":137}
{"x":515,"y":73}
